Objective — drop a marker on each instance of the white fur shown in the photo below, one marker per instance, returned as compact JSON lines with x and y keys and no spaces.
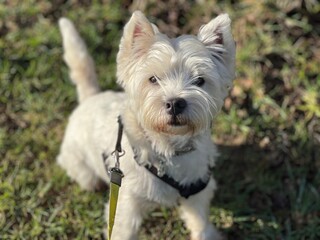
{"x":82,"y":71}
{"x":92,"y":129}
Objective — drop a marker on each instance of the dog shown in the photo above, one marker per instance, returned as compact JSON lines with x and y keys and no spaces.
{"x":173,"y":89}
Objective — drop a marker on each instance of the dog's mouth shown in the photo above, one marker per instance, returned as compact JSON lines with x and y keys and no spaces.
{"x":177,"y":121}
{"x":174,"y":125}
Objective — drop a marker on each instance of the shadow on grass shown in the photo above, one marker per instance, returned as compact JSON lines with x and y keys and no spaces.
{"x":265,"y":195}
{"x":262,"y":194}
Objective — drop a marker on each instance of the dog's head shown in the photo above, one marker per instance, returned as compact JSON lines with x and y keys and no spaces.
{"x":176,"y":86}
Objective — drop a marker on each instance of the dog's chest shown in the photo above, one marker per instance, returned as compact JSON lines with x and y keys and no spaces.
{"x":185,"y":170}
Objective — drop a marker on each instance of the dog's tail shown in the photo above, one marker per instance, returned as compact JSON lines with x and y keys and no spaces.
{"x":79,"y":61}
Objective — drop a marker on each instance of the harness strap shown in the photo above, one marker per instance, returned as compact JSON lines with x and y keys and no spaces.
{"x":185,"y":191}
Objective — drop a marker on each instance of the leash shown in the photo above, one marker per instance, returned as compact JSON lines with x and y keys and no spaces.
{"x":116,"y":176}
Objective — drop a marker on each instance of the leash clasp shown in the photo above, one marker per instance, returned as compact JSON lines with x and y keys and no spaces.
{"x":116,"y":176}
{"x":117,"y":155}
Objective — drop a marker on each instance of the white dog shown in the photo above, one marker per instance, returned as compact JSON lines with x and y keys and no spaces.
{"x":173,"y":90}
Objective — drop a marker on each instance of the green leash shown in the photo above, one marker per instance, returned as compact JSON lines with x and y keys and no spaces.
{"x":116,"y":176}
{"x":115,"y":184}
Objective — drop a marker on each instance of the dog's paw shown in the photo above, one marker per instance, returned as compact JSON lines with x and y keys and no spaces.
{"x":209,"y":233}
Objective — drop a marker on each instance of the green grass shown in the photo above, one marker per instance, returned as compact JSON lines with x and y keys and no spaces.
{"x":268,"y":132}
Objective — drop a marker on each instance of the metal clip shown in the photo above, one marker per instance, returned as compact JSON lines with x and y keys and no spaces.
{"x":161,"y":169}
{"x":117,"y":155}
{"x":116,"y":176}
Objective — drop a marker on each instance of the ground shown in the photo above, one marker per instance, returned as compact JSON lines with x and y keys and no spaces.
{"x":268,"y":132}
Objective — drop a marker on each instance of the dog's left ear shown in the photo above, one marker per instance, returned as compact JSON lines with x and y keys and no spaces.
{"x":217,"y":37}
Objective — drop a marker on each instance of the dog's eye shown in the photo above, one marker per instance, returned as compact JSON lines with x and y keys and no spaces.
{"x":153,"y":80}
{"x":199,"y":82}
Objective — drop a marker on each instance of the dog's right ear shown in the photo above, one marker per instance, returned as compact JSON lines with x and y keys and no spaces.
{"x":138,"y":36}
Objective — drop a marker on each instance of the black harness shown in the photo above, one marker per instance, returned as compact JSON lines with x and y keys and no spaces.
{"x":184,"y":191}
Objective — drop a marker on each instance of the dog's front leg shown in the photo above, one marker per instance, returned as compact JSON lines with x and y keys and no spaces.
{"x":195,"y":212}
{"x":128,"y":217}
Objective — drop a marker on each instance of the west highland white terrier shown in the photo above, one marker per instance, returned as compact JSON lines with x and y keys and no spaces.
{"x":173,"y":88}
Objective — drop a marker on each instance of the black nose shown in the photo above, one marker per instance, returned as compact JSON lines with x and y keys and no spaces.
{"x":176,"y":106}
